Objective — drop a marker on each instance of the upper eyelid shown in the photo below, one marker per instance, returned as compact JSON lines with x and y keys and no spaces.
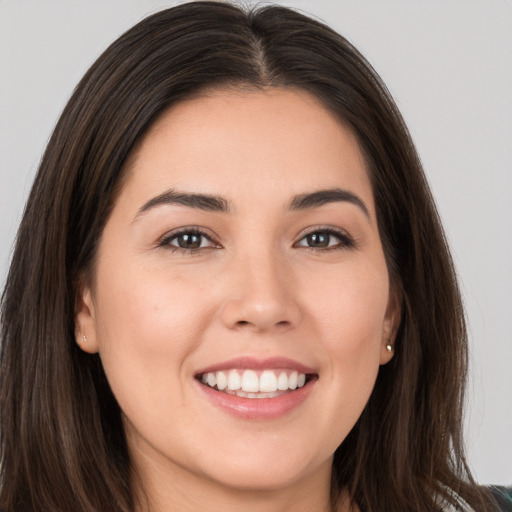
{"x":170,"y":235}
{"x":324,"y":229}
{"x":189,"y":229}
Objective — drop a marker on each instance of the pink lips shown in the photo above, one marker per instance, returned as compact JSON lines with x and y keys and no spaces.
{"x":254,"y":363}
{"x":258,"y":408}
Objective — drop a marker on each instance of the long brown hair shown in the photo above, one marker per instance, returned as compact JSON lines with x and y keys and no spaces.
{"x":62,"y":442}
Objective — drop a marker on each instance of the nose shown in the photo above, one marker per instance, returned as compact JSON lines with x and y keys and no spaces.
{"x":262,"y":296}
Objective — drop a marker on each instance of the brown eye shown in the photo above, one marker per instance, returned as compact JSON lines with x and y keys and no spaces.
{"x":326,"y":239}
{"x":188,"y":241}
{"x":318,"y":240}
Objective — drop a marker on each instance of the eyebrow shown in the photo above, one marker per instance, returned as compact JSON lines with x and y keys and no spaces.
{"x":213,"y":203}
{"x":204,"y":202}
{"x":322,"y":197}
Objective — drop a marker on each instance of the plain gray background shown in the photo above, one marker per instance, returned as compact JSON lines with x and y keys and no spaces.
{"x":448,"y":63}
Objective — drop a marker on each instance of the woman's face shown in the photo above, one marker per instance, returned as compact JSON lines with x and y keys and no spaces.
{"x":242,"y":253}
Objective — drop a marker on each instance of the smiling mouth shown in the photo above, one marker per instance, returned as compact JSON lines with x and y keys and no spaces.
{"x":255,"y":383}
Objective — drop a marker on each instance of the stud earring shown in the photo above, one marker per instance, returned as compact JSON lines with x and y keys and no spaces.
{"x":389,"y":347}
{"x":84,"y":337}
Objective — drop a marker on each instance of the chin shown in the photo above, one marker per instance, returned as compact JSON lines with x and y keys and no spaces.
{"x":272,"y":473}
{"x":258,"y":479}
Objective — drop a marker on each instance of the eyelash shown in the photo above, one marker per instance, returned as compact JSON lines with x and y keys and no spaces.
{"x":166,"y":241}
{"x":345,"y":241}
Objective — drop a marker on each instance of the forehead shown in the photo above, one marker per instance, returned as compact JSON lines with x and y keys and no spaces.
{"x":276,"y":141}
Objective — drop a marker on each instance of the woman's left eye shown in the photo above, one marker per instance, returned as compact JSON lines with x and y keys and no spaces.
{"x":325,"y":239}
{"x":187,"y":241}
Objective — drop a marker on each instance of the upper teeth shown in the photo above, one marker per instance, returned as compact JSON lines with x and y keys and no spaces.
{"x":251,"y":381}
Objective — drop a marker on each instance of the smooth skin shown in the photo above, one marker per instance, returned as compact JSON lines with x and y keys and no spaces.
{"x":177,"y":288}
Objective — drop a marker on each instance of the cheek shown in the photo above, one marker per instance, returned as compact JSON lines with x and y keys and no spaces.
{"x":350,"y":306}
{"x":347,"y":310}
{"x":148,"y":323}
{"x":151,"y":308}
{"x":350,"y":316}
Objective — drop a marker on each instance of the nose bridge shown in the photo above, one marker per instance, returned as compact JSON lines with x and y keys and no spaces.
{"x":264,"y":276}
{"x":262,"y":294}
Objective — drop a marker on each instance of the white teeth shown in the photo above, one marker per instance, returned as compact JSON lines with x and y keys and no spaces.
{"x":293,"y":380}
{"x":252,"y":384}
{"x":282,"y":381}
{"x":250,"y":381}
{"x":222,"y":380}
{"x":212,"y":380}
{"x":243,"y":394}
{"x":234,"y":380}
{"x":268,"y":382}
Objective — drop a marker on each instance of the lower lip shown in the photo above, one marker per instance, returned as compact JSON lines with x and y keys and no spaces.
{"x":258,"y":408}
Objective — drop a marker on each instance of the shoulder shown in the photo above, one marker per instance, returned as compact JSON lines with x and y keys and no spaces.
{"x":459,"y":506}
{"x":502,"y":495}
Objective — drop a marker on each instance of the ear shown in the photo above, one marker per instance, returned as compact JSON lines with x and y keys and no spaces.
{"x":85,"y":322}
{"x":390,"y":326}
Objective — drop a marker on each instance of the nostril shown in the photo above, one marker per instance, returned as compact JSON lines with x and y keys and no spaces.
{"x":283,"y":323}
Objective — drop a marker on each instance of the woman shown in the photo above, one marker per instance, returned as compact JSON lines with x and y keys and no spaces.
{"x":232,"y":296}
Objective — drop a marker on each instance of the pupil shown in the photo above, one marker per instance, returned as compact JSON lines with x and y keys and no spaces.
{"x":190,"y":241}
{"x":318,"y":240}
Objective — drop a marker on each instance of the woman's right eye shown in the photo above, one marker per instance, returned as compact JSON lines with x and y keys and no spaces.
{"x":190,"y":240}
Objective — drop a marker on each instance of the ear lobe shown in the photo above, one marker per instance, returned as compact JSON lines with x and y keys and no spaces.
{"x":386,"y":352}
{"x":85,"y":322}
{"x":390,"y":327}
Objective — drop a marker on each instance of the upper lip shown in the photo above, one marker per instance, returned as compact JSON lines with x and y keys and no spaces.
{"x":255,"y":363}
